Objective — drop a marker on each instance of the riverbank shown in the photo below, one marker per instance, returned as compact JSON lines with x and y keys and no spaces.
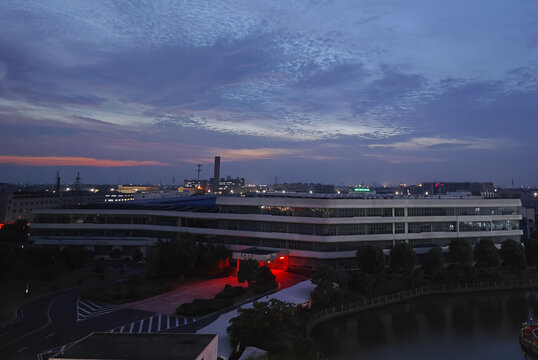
{"x":384,"y":300}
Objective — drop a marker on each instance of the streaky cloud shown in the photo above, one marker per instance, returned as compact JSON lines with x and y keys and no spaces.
{"x":420,"y":143}
{"x":74,"y":161}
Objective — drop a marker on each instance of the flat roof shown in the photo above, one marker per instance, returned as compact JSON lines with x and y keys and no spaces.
{"x":127,"y":346}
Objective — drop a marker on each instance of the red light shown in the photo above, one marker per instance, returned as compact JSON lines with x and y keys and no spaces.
{"x":282,"y":258}
{"x":1,"y":225}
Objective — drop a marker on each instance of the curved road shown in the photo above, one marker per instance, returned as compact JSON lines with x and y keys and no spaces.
{"x":50,"y":321}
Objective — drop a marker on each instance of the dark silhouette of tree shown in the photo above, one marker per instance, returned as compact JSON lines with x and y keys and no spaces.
{"x":327,"y":290}
{"x":486,"y":255}
{"x":460,"y":252}
{"x":371,"y":259}
{"x":531,"y":250}
{"x":75,"y":257}
{"x":513,"y":255}
{"x":115,"y":254}
{"x":248,"y":270}
{"x":402,"y":258}
{"x":273,"y":326}
{"x":433,"y":261}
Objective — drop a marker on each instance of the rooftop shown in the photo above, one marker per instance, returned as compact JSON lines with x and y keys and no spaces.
{"x":112,"y":346}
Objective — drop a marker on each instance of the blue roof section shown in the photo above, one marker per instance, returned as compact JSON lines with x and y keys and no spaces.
{"x":202,"y":203}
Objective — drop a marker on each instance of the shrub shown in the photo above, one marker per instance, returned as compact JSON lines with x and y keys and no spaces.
{"x":201,"y":307}
{"x":230,"y":292}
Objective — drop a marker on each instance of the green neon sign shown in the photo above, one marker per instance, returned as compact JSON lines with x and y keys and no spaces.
{"x":361,"y":190}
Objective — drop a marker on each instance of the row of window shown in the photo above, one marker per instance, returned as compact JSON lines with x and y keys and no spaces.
{"x":366,"y":212}
{"x":301,"y":245}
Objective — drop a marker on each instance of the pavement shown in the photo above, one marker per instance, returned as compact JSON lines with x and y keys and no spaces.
{"x":184,"y":292}
{"x":202,"y":289}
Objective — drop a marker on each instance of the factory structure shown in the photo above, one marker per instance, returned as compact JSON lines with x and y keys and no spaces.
{"x":300,"y":230}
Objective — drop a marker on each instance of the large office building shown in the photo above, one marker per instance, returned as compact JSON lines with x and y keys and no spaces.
{"x":307,"y":229}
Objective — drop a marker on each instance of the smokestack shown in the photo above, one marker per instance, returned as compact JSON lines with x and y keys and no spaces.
{"x":58,"y":183}
{"x":216,"y":174}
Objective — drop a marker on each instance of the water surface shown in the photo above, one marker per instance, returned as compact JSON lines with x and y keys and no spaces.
{"x":467,"y":326}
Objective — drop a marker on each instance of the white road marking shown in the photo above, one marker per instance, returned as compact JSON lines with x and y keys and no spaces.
{"x":49,"y":335}
{"x":141,"y":325}
{"x":121,"y":329}
{"x":131,"y":328}
{"x":159,"y":324}
{"x":87,"y":309}
{"x":150,"y":322}
{"x":22,"y":349}
{"x":177,"y":321}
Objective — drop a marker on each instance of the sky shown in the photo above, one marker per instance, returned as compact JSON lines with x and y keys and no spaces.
{"x":336,"y":92}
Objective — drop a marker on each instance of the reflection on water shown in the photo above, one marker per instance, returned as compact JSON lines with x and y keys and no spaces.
{"x":466,"y":326}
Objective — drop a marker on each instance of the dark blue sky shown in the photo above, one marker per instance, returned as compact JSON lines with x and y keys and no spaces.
{"x":324,"y":91}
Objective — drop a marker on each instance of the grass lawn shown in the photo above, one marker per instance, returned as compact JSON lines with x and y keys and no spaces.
{"x":122,"y":294}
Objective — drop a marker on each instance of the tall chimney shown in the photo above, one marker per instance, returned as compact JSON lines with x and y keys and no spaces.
{"x":57,"y":183}
{"x":216,"y":174}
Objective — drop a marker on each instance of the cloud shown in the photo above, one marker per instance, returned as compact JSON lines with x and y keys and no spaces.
{"x":73,"y":161}
{"x":421,"y":143}
{"x":402,"y":159}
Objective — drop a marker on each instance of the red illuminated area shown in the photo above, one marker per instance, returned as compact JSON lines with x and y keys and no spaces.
{"x":1,"y":225}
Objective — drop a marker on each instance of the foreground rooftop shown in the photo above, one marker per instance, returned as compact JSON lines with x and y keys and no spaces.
{"x":131,"y":346}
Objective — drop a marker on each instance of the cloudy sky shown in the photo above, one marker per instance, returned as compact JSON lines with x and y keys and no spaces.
{"x":320,"y":91}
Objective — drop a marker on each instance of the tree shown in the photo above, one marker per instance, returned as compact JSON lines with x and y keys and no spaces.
{"x":265,"y":280}
{"x":172,"y":258}
{"x":371,"y":259}
{"x":513,"y":255}
{"x":115,"y":254}
{"x":531,"y":251}
{"x":460,"y":252}
{"x":486,"y":255}
{"x":433,"y":261}
{"x":133,"y":282}
{"x":248,"y":270}
{"x":327,"y":289}
{"x":273,"y":326}
{"x":75,"y":257}
{"x":9,"y":258}
{"x":402,"y":258}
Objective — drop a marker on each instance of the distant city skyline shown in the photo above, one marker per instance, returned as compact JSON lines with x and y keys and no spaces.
{"x":308,"y":91}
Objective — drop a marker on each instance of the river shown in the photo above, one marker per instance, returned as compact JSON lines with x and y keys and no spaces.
{"x":467,"y":326}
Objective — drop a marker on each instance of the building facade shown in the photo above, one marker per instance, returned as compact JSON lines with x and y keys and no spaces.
{"x":310,"y":229}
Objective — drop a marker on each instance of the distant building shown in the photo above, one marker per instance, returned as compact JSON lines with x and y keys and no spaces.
{"x":131,"y":189}
{"x":443,"y":188}
{"x":162,"y":346}
{"x":308,"y":188}
{"x":21,"y":204}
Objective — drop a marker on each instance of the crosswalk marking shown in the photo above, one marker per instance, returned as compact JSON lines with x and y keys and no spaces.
{"x":155,"y":323}
{"x":88,"y":309}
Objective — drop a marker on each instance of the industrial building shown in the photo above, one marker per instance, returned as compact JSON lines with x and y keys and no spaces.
{"x":308,"y":229}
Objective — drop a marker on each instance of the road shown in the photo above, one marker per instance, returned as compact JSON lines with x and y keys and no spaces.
{"x":51,"y":321}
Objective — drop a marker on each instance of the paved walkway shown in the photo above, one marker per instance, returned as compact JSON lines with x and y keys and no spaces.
{"x":201,"y":289}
